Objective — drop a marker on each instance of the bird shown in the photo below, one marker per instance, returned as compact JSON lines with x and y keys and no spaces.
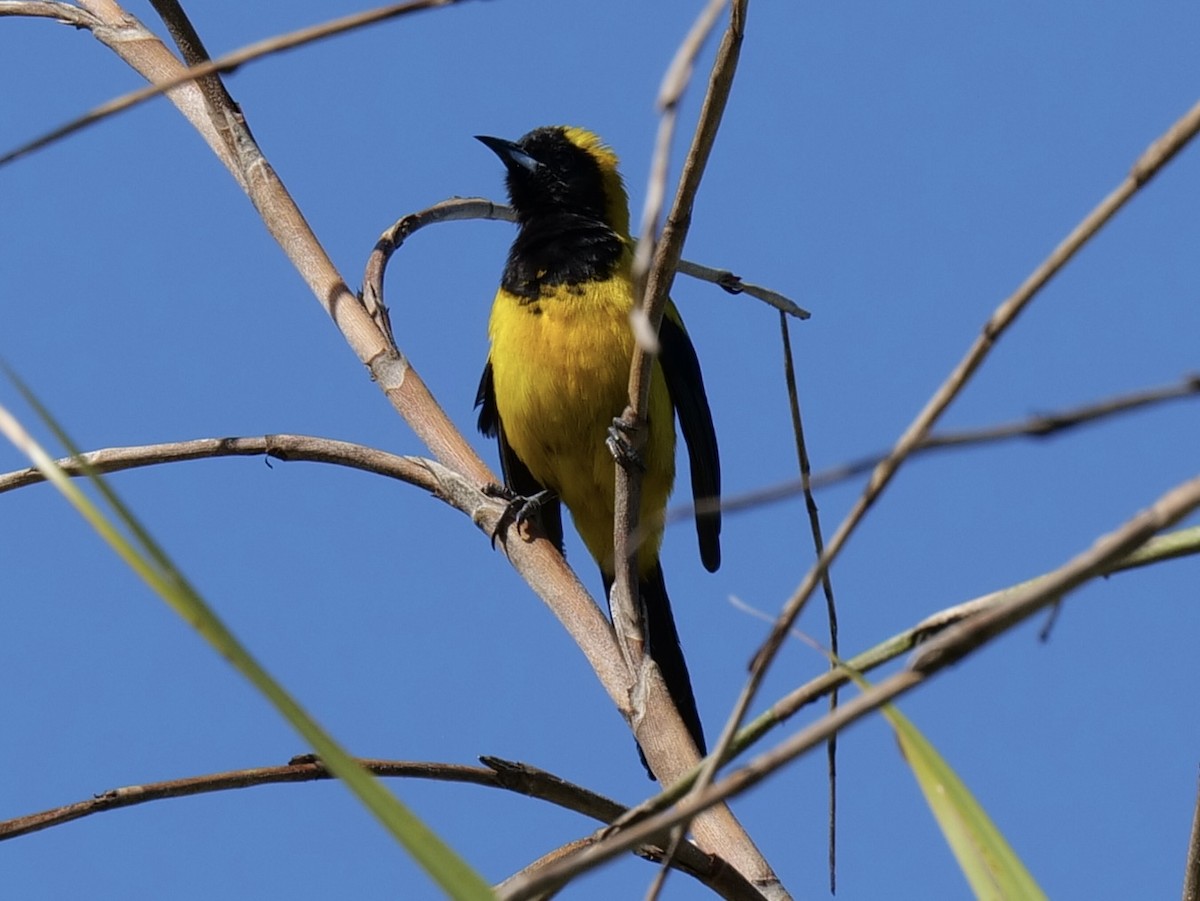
{"x":557,"y":377}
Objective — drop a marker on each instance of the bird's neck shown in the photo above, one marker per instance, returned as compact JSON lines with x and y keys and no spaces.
{"x":561,"y":249}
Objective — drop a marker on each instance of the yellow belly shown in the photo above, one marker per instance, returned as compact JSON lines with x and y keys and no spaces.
{"x":560,"y":366}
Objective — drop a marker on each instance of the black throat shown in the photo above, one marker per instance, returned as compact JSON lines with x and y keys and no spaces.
{"x":560,"y":249}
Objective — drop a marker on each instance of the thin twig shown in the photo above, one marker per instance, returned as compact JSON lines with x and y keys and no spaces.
{"x":733,"y":284}
{"x":66,"y":13}
{"x":226,"y":63}
{"x":723,"y":879}
{"x":519,"y":778}
{"x":414,"y":470}
{"x":1041,"y":425}
{"x":674,"y":85}
{"x":814,"y":521}
{"x":303,"y":769}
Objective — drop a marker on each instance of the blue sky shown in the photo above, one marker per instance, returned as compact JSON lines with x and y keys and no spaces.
{"x":898,"y":170}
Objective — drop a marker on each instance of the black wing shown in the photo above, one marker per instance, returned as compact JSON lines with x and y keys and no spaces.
{"x":517,"y":477}
{"x":685,"y":384}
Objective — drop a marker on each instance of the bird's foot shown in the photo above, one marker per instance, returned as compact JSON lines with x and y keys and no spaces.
{"x":518,"y":508}
{"x":620,"y":447}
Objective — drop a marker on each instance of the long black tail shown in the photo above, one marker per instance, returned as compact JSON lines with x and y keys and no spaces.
{"x":663,"y":641}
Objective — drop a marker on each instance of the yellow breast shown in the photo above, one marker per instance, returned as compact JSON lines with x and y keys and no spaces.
{"x":561,"y":373}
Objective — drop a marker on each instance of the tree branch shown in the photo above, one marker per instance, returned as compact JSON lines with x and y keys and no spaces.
{"x":498,"y":773}
{"x":414,"y":470}
{"x":66,"y":13}
{"x":818,"y":541}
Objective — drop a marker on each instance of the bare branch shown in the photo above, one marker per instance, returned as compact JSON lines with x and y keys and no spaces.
{"x":675,"y":84}
{"x":414,"y":470}
{"x":226,"y":63}
{"x":734,"y":285}
{"x":301,"y":769}
{"x":717,"y":828}
{"x":66,"y":13}
{"x":459,"y":209}
{"x":818,"y":541}
{"x":1041,"y":425}
{"x":518,"y":778}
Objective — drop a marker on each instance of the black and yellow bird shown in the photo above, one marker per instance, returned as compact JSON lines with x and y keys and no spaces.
{"x":558,"y":373}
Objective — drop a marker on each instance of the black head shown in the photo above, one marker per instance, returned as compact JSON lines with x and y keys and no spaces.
{"x":561,"y":169}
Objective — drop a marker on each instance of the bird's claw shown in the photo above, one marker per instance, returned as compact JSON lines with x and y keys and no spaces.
{"x":620,"y":447}
{"x":518,"y":509}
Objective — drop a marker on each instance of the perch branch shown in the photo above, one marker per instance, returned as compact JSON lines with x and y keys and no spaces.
{"x":518,"y":778}
{"x":414,"y":470}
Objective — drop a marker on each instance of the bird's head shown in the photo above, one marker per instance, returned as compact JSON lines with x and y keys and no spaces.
{"x":559,"y":169}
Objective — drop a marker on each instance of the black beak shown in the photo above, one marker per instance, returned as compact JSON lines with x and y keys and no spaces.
{"x":513,"y":157}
